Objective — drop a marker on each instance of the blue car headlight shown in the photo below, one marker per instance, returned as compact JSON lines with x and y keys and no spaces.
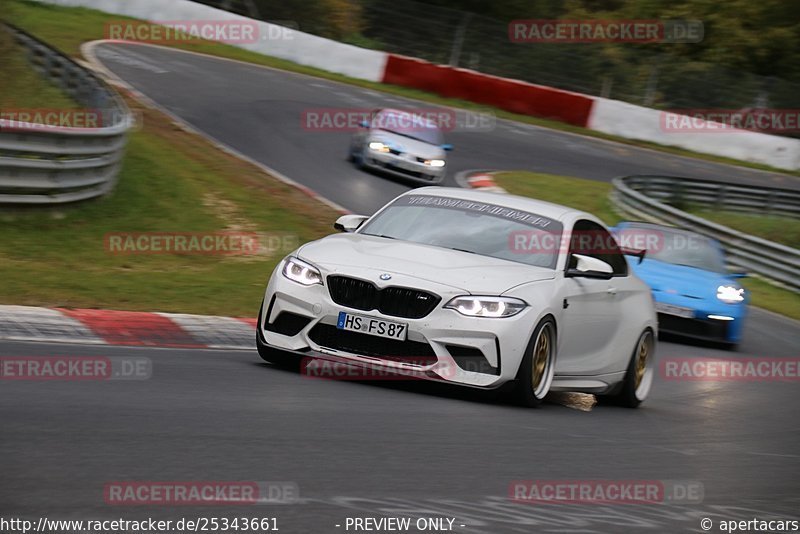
{"x":730,"y":294}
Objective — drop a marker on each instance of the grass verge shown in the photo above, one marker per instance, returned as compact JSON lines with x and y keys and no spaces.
{"x":592,"y":197}
{"x":67,"y":27}
{"x":782,"y":230}
{"x":21,"y":87}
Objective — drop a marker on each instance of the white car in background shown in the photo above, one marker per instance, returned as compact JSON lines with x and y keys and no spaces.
{"x":403,"y":144}
{"x":472,"y":288}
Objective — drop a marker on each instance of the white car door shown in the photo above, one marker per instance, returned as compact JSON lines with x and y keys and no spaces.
{"x":592,"y":308}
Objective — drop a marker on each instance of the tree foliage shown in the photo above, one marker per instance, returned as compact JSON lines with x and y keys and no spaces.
{"x":760,"y":37}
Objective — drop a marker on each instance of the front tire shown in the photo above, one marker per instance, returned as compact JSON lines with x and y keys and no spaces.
{"x":538,"y":366}
{"x":356,"y":157}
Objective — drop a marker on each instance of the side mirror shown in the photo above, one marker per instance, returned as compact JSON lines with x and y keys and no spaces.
{"x":738,"y":275}
{"x":349,"y":223}
{"x":447,"y":147}
{"x":364,"y":124}
{"x":588,"y":267}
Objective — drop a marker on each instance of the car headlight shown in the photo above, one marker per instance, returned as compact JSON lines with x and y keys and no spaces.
{"x":435,"y":162}
{"x":380,"y":147}
{"x":486,"y":306}
{"x":730,"y":294}
{"x":301,"y":272}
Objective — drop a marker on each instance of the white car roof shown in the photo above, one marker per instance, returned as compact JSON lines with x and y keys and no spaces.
{"x":532,"y":205}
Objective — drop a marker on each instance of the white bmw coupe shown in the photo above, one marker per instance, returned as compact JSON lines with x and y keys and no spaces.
{"x":472,"y":288}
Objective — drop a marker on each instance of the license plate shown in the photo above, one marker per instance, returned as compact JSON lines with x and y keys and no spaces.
{"x":678,"y":311}
{"x":372,"y":326}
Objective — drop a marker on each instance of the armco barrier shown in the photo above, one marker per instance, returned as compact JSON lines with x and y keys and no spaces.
{"x":48,"y":165}
{"x":632,"y":196}
{"x":717,"y":195}
{"x":511,"y":95}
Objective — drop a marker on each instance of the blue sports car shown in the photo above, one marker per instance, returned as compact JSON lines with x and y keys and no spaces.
{"x":694,"y":294}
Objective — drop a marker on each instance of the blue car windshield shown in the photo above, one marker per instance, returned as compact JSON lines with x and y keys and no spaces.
{"x":675,"y":247}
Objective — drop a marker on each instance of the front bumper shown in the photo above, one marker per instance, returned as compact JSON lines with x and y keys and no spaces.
{"x":710,"y":321}
{"x":444,"y":345}
{"x":403,"y":166}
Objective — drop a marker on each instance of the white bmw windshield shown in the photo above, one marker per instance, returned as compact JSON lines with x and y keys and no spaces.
{"x":468,"y":226}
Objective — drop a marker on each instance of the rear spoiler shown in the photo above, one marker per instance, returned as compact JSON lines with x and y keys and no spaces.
{"x":638,"y":253}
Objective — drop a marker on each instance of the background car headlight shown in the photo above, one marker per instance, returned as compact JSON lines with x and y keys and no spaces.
{"x":380,"y":147}
{"x":435,"y":162}
{"x":730,"y":294}
{"x":301,"y":272}
{"x":486,"y":306}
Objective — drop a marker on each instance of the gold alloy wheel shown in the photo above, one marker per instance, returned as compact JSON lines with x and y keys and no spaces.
{"x":541,"y":353}
{"x":641,"y":359}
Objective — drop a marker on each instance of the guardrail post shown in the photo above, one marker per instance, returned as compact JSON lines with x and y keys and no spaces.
{"x":677,"y":198}
{"x":770,"y":202}
{"x":722,"y":193}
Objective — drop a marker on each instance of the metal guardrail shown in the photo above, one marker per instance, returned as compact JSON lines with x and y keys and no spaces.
{"x":646,"y":197}
{"x":729,"y":197}
{"x":42,"y":164}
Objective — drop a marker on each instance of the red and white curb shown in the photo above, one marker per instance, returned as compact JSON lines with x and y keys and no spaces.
{"x":482,"y":180}
{"x":110,"y":327}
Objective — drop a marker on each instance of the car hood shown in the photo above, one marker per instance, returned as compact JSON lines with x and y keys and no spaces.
{"x":361,"y":255}
{"x":681,"y":280}
{"x":407,"y":145}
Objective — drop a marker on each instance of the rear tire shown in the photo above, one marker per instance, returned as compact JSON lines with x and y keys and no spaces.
{"x":270,"y":354}
{"x":639,"y":375}
{"x":538,"y":366}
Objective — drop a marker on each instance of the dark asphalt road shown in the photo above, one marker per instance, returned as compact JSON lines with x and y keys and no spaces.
{"x":360,"y":449}
{"x":392,"y":448}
